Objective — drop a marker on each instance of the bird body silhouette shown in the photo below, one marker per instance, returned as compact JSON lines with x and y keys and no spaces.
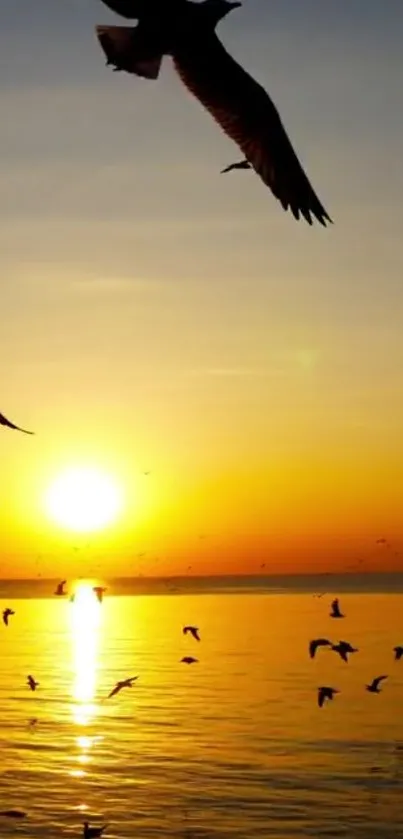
{"x":9,"y":424}
{"x":325,"y":693}
{"x":398,"y":651}
{"x":99,"y":591}
{"x":93,"y":832}
{"x":335,"y":609}
{"x":318,"y":642}
{"x":7,"y":614}
{"x":343,"y":648}
{"x":60,"y":592}
{"x":32,"y":683}
{"x":193,"y":630}
{"x":124,"y":683}
{"x":373,"y":687}
{"x":186,"y":31}
{"x":188,"y":659}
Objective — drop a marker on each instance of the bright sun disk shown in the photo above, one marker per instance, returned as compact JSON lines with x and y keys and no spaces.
{"x":83,"y":499}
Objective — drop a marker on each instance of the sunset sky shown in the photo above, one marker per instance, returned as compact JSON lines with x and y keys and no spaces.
{"x":157,"y":316}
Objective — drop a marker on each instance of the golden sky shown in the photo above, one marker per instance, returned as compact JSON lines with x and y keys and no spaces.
{"x":157,"y":316}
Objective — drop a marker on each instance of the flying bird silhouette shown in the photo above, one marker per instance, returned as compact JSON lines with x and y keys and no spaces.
{"x":188,"y":659}
{"x":93,"y":832}
{"x":243,"y":164}
{"x":7,"y":614}
{"x":8,"y":424}
{"x":326,"y":693}
{"x":398,"y":651}
{"x":343,"y":648}
{"x":124,"y":683}
{"x":193,"y":631}
{"x":99,"y":591}
{"x":60,"y":592}
{"x":32,"y":683}
{"x":242,"y":108}
{"x":374,"y":686}
{"x":335,"y":609}
{"x":318,"y":642}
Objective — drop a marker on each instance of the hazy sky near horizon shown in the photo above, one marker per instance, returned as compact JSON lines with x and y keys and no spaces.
{"x":155,"y":315}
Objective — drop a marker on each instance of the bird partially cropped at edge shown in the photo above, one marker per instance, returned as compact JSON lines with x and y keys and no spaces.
{"x":398,"y":651}
{"x":186,"y":31}
{"x":9,"y":424}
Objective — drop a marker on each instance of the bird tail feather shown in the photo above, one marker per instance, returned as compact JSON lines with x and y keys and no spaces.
{"x":129,"y":48}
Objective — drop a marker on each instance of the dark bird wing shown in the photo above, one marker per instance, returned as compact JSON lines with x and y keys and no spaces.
{"x":246,"y":113}
{"x":127,"y":48}
{"x":322,"y":695}
{"x":8,"y":424}
{"x":317,"y":642}
{"x":115,"y":690}
{"x":376,"y":682}
{"x":336,"y":608}
{"x":398,"y":653}
{"x":195,"y":632}
{"x":129,"y":9}
{"x":244,"y":164}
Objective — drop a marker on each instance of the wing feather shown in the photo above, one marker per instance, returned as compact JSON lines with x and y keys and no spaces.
{"x":248,"y":116}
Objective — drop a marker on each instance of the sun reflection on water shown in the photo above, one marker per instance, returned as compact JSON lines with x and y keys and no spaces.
{"x":86,"y":613}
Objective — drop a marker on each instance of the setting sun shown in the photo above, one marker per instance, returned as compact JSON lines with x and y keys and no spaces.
{"x":83,"y":499}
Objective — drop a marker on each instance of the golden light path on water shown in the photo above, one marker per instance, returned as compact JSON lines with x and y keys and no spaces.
{"x":85,"y":624}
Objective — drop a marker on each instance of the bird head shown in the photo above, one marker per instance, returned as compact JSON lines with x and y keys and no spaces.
{"x":216,"y":10}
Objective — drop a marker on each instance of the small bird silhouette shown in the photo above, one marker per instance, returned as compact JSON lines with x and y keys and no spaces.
{"x":374,"y":686}
{"x":99,"y":591}
{"x":335,"y":609}
{"x":343,"y":648}
{"x":188,"y":659}
{"x":318,"y":642}
{"x":13,"y":814}
{"x":193,"y":631}
{"x":243,"y":164}
{"x":398,"y":651}
{"x":326,"y":693}
{"x":124,"y":683}
{"x":60,"y":592}
{"x":93,"y":832}
{"x":8,"y":424}
{"x":32,"y":683}
{"x":6,"y":614}
{"x":238,"y":104}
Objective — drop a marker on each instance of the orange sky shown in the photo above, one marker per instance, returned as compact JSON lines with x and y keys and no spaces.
{"x":157,"y":317}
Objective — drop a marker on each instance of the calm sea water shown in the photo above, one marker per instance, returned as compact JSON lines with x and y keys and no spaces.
{"x":234,"y":745}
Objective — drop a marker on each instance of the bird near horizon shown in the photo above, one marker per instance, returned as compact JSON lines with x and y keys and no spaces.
{"x":238,"y":103}
{"x":398,"y":651}
{"x":124,"y":683}
{"x":373,"y":687}
{"x":188,"y":659}
{"x":99,"y":591}
{"x":335,"y":609}
{"x":318,"y":642}
{"x":7,"y":614}
{"x":192,"y":630}
{"x":32,"y":683}
{"x":4,"y":421}
{"x":60,"y":592}
{"x":343,"y":648}
{"x":325,"y":693}
{"x":93,"y":832}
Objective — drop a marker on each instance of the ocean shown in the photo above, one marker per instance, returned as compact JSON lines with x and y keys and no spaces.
{"x":233,"y":745}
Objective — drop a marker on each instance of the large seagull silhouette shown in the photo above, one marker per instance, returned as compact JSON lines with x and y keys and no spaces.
{"x":186,"y":31}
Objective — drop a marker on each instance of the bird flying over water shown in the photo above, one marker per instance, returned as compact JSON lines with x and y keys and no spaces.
{"x":124,"y":683}
{"x":13,"y":814}
{"x":398,"y":651}
{"x":242,"y":108}
{"x":326,"y":693}
{"x":93,"y":832}
{"x":343,"y":648}
{"x":335,"y":609}
{"x":374,"y":686}
{"x":7,"y":614}
{"x":193,"y":631}
{"x":32,"y":683}
{"x":99,"y":591}
{"x":60,"y":592}
{"x":243,"y":164}
{"x":188,"y":659}
{"x":8,"y":424}
{"x":318,"y":642}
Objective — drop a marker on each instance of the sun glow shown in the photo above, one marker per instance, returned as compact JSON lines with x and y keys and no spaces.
{"x":86,"y":612}
{"x":83,"y":499}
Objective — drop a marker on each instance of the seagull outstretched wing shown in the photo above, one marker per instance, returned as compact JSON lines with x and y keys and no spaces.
{"x":246,"y":113}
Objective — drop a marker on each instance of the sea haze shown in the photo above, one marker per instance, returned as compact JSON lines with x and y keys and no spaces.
{"x":234,"y":745}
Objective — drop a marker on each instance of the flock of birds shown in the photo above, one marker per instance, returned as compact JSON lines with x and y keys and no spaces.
{"x":344,"y":649}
